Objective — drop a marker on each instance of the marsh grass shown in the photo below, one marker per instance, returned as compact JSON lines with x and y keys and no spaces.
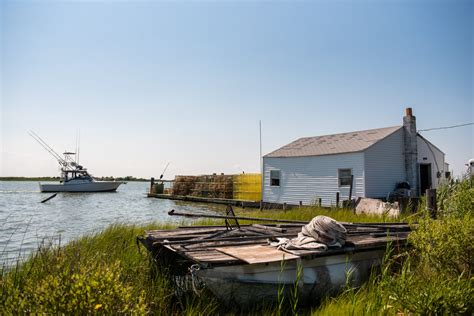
{"x":108,"y":273}
{"x":295,"y":289}
{"x":433,"y":277}
{"x":306,"y":213}
{"x":281,"y":289}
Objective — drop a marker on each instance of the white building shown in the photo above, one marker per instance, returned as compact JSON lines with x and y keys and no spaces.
{"x":313,"y":168}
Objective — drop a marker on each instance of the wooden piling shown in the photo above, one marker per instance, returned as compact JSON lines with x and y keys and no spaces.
{"x":350,"y":188}
{"x":337,"y":199}
{"x":431,"y":202}
{"x":320,"y":202}
{"x":152,"y":182}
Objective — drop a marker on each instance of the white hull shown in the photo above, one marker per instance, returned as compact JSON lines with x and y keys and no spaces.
{"x":95,"y":186}
{"x":254,"y":283}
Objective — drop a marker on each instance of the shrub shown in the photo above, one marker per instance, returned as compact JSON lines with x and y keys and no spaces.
{"x":97,"y":288}
{"x":418,"y":289}
{"x":456,"y":199}
{"x":434,"y":276}
{"x":446,"y":245}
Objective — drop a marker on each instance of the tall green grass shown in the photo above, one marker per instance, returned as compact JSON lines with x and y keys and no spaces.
{"x":106,"y":272}
{"x":434,"y":276}
{"x":306,"y":213}
{"x":109,"y":273}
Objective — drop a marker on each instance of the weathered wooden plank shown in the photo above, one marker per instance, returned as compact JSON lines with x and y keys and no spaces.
{"x":213,"y":256}
{"x":213,"y":235}
{"x":256,"y":253}
{"x":184,"y":231}
{"x":267,"y":227}
{"x":238,"y":238}
{"x":319,"y":253}
{"x":370,"y":242}
{"x":177,"y":238}
{"x":217,"y":244}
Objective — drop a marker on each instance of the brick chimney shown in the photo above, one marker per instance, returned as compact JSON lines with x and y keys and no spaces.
{"x":411,"y":151}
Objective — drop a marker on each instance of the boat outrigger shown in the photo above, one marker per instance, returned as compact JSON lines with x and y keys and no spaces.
{"x":240,"y":265}
{"x":74,"y":177}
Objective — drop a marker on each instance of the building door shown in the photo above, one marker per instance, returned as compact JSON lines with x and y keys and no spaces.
{"x":425,"y":177}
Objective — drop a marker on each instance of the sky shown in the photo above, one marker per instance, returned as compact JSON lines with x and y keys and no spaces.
{"x":148,"y":83}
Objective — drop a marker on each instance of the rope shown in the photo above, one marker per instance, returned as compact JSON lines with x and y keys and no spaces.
{"x":194,"y":279}
{"x":319,"y":234}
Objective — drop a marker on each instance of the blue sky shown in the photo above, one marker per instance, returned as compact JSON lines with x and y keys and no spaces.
{"x":187,"y":82}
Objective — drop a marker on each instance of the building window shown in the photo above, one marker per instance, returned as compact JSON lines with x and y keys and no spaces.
{"x":345,"y":177}
{"x":275,"y":178}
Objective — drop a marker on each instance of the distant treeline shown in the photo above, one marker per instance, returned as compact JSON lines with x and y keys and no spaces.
{"x":29,"y":178}
{"x":127,"y":178}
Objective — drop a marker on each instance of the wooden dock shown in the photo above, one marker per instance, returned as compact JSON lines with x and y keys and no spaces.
{"x":239,"y":203}
{"x":188,"y":198}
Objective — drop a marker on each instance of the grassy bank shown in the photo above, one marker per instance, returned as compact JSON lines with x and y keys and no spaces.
{"x":434,"y":277}
{"x":108,"y":273}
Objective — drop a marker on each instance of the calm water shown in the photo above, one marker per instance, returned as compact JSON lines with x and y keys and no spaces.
{"x":25,"y":222}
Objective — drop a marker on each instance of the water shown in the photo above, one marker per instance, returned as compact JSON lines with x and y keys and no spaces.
{"x":25,"y":222}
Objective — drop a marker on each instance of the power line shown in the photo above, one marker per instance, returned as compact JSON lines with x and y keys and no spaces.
{"x":445,"y":127}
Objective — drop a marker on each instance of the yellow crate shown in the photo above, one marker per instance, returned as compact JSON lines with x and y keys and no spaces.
{"x":248,"y":187}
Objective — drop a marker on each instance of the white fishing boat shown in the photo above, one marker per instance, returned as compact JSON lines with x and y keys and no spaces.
{"x":79,"y":180}
{"x":74,"y":177}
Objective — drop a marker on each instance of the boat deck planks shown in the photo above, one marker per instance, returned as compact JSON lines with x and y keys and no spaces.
{"x":257,"y":253}
{"x":210,"y":255}
{"x":219,"y":245}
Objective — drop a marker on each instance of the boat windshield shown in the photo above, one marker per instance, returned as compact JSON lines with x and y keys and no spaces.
{"x":77,"y":175}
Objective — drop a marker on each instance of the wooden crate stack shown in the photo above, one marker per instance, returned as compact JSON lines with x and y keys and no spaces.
{"x":214,"y":186}
{"x":183,"y":185}
{"x":210,"y":186}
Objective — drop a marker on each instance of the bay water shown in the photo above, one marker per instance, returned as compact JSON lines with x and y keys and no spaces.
{"x":25,"y":223}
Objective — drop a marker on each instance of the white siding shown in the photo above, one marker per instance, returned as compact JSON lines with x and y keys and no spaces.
{"x":308,"y":178}
{"x":385,"y":165}
{"x":434,"y":156}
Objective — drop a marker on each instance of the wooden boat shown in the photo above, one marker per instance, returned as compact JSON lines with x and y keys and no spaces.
{"x":238,"y":265}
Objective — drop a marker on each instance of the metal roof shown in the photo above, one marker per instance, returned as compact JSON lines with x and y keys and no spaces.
{"x":333,"y":144}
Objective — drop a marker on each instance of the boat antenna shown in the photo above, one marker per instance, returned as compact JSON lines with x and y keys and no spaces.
{"x":78,"y":146}
{"x":48,"y":148}
{"x":75,"y":158}
{"x":161,"y":176}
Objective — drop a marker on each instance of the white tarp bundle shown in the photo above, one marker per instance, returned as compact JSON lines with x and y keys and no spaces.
{"x":319,"y":234}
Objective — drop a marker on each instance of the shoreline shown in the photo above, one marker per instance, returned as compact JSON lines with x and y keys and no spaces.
{"x":57,"y":179}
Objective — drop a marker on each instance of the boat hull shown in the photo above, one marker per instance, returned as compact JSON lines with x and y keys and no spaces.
{"x":318,"y":277}
{"x":97,"y":186}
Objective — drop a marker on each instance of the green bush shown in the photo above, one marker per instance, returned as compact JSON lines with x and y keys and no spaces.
{"x":456,"y":199}
{"x":434,"y":276}
{"x":98,"y":288}
{"x":446,"y":245}
{"x":105,"y":273}
{"x":421,"y":291}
